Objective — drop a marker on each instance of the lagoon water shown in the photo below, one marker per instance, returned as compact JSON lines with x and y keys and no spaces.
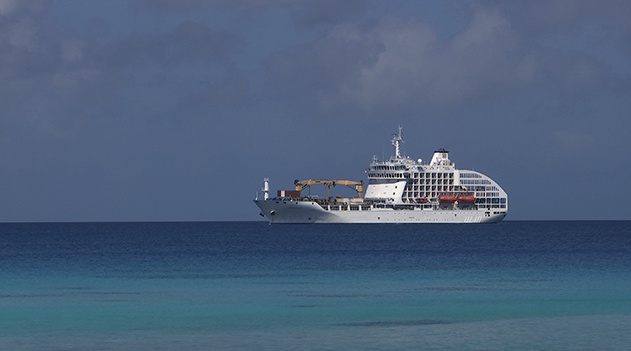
{"x":553,"y":285}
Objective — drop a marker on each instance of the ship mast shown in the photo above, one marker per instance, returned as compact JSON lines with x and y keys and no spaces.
{"x":265,"y":188}
{"x":396,"y":140}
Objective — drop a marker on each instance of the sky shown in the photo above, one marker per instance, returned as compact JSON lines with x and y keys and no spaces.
{"x":165,"y":110}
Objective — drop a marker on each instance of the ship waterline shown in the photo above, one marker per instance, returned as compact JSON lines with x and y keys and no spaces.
{"x":400,"y":190}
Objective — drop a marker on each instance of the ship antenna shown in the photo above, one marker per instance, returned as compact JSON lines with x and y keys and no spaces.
{"x":396,"y":140}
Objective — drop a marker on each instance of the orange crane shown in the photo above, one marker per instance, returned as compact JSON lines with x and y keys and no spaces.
{"x":357,"y":186}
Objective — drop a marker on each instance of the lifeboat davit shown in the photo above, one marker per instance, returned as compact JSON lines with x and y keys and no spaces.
{"x":466,"y":198}
{"x":447,"y":198}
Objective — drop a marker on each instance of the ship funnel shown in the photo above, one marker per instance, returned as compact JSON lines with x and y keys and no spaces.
{"x":440,"y":157}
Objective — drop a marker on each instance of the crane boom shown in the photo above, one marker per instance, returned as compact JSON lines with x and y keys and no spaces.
{"x":357,"y":186}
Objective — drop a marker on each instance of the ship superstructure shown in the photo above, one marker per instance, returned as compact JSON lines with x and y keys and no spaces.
{"x":399,"y":190}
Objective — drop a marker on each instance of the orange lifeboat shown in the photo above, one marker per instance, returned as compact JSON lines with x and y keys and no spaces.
{"x":447,"y":198}
{"x":466,"y":198}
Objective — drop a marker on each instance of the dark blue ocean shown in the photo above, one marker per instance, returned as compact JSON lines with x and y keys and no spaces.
{"x":251,"y":286}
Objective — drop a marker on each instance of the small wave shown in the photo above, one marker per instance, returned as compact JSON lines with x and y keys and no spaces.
{"x":404,"y":323}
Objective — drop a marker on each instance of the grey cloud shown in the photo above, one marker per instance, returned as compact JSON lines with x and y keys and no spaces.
{"x":319,"y":72}
{"x":306,"y":13}
{"x":543,"y":16}
{"x":22,"y":42}
{"x":168,"y":5}
{"x":54,"y":84}
{"x":17,"y":7}
{"x":596,"y":22}
{"x":575,"y":74}
{"x":190,"y":41}
{"x":195,"y":40}
{"x":315,"y":12}
{"x":30,"y":67}
{"x":398,"y":59}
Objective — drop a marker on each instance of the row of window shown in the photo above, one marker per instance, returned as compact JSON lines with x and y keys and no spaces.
{"x":389,"y":175}
{"x":428,"y":206}
{"x":432,"y":181}
{"x":415,"y":176}
{"x":432,"y":187}
{"x":434,"y":175}
{"x":439,"y":175}
{"x":346,"y":208}
{"x":481,"y":188}
{"x":479,"y":206}
{"x":470,"y":175}
{"x":474,"y":181}
{"x":388,"y":168}
{"x":463,"y":175}
{"x":491,"y":194}
{"x":412,"y":196}
{"x":428,"y":194}
{"x":489,"y":200}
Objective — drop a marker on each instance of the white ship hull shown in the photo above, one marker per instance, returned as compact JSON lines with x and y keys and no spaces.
{"x":279,"y":211}
{"x":399,"y":190}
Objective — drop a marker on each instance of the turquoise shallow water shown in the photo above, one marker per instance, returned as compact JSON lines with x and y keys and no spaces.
{"x":242,"y":286}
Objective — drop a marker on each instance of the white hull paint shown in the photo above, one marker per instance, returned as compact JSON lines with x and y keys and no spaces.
{"x":400,"y":190}
{"x":310,"y":212}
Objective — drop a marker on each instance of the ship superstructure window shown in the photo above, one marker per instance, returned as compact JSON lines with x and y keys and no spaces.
{"x":474,"y":181}
{"x":469,"y":175}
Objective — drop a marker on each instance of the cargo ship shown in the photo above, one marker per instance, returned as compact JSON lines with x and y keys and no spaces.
{"x":399,"y":190}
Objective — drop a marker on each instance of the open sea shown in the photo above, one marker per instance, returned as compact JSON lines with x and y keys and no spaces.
{"x":550,"y":285}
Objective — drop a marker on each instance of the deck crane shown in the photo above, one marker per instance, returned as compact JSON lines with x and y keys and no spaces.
{"x":357,"y":186}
